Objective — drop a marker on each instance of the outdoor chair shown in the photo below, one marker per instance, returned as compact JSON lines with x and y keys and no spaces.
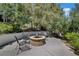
{"x":22,"y":45}
{"x":25,"y":37}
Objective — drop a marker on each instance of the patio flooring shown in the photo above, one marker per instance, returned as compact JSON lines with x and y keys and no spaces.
{"x":53,"y":47}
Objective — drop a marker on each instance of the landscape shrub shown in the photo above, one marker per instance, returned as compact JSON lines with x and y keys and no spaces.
{"x":73,"y":40}
{"x":71,"y":36}
{"x":74,"y":25}
{"x":5,"y":28}
{"x":60,"y":27}
{"x":16,"y":28}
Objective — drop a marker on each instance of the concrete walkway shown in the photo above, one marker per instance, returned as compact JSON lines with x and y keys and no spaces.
{"x":53,"y":47}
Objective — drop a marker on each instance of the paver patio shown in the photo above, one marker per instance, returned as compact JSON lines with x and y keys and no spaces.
{"x":53,"y":47}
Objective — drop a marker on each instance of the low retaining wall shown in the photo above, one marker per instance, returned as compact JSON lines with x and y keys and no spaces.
{"x":9,"y":38}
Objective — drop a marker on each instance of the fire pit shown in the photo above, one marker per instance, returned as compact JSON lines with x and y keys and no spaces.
{"x":37,"y":40}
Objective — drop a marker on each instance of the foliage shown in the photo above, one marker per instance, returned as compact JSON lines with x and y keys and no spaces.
{"x":16,"y":27}
{"x":71,"y":36}
{"x":38,"y":15}
{"x":9,"y":28}
{"x":59,"y":26}
{"x":5,"y":28}
{"x":73,"y":39}
{"x":7,"y":11}
{"x":42,"y":15}
{"x":74,"y":26}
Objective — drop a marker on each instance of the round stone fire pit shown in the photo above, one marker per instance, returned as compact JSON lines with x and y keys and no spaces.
{"x":37,"y":40}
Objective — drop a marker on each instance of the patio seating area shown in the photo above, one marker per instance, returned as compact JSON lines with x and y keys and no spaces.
{"x":53,"y":47}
